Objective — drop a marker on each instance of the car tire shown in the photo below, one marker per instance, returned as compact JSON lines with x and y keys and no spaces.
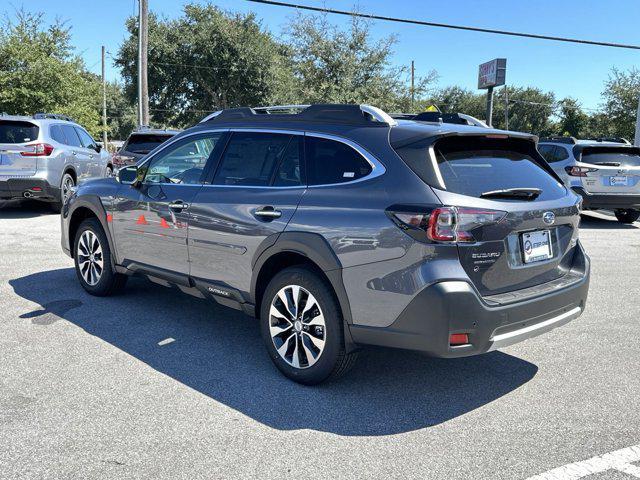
{"x":109,"y":172}
{"x":66,"y":182}
{"x":92,"y":258}
{"x":307,"y":347}
{"x":627,"y":216}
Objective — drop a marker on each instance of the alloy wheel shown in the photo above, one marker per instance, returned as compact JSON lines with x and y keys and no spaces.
{"x":297,"y":326}
{"x":90,"y":258}
{"x":67,"y":187}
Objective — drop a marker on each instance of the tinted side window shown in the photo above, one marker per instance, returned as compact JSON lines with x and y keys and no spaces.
{"x":561,"y":154}
{"x":288,"y":173}
{"x":71,"y":136}
{"x":548,"y":152}
{"x":58,"y":135}
{"x":182,"y":163}
{"x":329,"y":161}
{"x":85,"y":138}
{"x":251,"y":158}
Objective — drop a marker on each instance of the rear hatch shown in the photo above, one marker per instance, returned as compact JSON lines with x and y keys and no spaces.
{"x":608,"y":169}
{"x":515,"y":225}
{"x":15,"y":158}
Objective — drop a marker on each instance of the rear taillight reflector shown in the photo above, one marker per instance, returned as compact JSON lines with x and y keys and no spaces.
{"x":579,"y":171}
{"x":447,"y":224}
{"x":456,"y":339}
{"x":38,"y":150}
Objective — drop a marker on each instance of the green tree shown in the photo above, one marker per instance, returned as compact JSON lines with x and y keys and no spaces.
{"x":573,"y":120}
{"x":122,"y":117}
{"x":204,"y":60}
{"x":334,"y":65}
{"x":40,"y":73}
{"x":620,"y":105}
{"x":460,"y":100}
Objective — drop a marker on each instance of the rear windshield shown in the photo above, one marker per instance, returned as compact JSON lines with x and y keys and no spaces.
{"x":17,"y":132}
{"x":144,"y":143}
{"x":475,"y":165}
{"x":629,"y":157}
{"x":474,"y":172}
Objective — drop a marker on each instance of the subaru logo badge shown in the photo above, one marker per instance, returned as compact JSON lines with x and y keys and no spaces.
{"x":549,"y":218}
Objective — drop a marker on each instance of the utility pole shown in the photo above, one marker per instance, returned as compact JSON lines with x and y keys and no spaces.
{"x":413,"y":75}
{"x":506,"y":108}
{"x":104,"y":104}
{"x":490,"y":106}
{"x":143,"y":40}
{"x":636,"y":140}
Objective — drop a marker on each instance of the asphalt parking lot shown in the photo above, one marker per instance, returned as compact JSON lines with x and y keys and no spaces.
{"x":156,"y":385}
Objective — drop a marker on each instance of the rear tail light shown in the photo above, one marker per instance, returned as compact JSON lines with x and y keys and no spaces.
{"x":38,"y":150}
{"x":447,"y":224}
{"x":579,"y":171}
{"x":120,"y":160}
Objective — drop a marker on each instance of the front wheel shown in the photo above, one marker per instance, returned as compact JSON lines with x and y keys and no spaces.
{"x":302,"y":327}
{"x":92,"y":257}
{"x":627,"y":216}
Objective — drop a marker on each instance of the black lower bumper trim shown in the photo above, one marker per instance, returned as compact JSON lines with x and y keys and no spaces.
{"x":35,"y":188}
{"x":592,"y":201}
{"x":455,"y":307}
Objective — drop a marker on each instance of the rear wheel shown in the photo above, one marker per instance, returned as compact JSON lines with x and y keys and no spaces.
{"x":627,"y":216}
{"x":66,"y":188}
{"x":93,"y":260}
{"x":302,"y":327}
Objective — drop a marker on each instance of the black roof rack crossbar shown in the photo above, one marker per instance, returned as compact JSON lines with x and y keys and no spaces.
{"x":365,"y":115}
{"x":52,"y":116}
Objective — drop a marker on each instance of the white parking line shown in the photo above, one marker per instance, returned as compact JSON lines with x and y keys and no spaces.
{"x":619,"y":460}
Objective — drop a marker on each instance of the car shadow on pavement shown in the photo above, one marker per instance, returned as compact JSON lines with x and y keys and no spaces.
{"x":603,"y":221}
{"x":24,"y":209}
{"x":219,"y":352}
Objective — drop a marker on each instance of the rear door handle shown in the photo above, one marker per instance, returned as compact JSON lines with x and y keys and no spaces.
{"x":268,"y":213}
{"x":178,"y":205}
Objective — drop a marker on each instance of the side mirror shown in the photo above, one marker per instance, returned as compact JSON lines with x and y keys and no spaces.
{"x":128,"y":175}
{"x":97,"y":148}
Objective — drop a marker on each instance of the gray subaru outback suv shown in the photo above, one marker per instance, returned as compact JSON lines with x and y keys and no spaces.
{"x":338,"y":226}
{"x":44,"y":156}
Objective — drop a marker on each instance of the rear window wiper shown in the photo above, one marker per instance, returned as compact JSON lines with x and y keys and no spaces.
{"x":517,"y":193}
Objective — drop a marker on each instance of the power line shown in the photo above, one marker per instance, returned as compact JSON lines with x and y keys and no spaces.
{"x":446,"y":25}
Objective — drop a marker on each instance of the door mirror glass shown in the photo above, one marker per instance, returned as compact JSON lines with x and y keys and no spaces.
{"x":97,"y":148}
{"x":128,"y":175}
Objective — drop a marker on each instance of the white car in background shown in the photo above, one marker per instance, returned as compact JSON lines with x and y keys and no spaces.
{"x":605,"y":172}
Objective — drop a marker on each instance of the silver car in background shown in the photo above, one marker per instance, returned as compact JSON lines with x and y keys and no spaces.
{"x":605,"y":172}
{"x":44,"y":156}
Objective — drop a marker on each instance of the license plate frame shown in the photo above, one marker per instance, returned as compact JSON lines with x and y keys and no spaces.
{"x":536,"y":246}
{"x":619,"y":180}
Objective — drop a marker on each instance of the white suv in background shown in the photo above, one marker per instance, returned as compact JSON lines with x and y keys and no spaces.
{"x":42,"y":157}
{"x":605,"y":172}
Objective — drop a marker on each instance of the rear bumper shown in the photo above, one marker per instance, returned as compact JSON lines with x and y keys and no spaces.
{"x":607,"y":200}
{"x":36,"y":188}
{"x":451,"y":307}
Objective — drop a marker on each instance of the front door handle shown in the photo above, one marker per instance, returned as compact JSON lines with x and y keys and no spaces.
{"x":268,"y":213}
{"x":178,"y":205}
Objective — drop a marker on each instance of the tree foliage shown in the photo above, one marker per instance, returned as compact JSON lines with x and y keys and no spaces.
{"x":40,"y":73}
{"x":334,"y":65}
{"x":205,"y":60}
{"x":620,"y":103}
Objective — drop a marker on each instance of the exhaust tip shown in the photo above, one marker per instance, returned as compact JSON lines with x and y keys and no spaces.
{"x":27,"y":194}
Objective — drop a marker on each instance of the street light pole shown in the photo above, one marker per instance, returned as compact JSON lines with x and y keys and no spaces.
{"x":490,"y":106}
{"x":143,"y":40}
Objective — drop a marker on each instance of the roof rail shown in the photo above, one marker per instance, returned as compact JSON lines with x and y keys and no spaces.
{"x":53,"y":116}
{"x":559,"y":139}
{"x":611,"y":140}
{"x":336,"y":113}
{"x":441,"y":117}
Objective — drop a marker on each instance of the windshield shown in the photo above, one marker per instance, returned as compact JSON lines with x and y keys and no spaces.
{"x":17,"y":132}
{"x":144,"y":143}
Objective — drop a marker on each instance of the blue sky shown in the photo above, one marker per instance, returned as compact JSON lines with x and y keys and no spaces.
{"x":566,"y":69}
